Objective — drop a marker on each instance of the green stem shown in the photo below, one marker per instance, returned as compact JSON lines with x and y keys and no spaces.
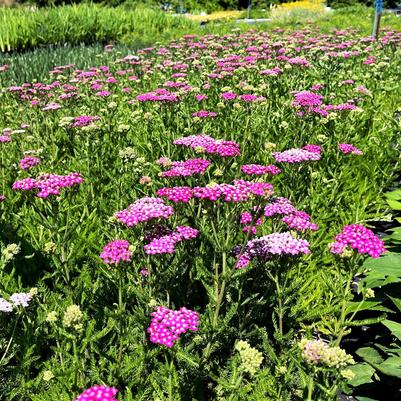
{"x":341,"y":328}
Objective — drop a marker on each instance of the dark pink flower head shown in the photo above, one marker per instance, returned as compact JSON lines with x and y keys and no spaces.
{"x":307,"y":99}
{"x":83,"y":121}
{"x":360,"y":238}
{"x":257,"y":169}
{"x":187,"y":168}
{"x":176,"y":194}
{"x":48,"y":184}
{"x":143,"y":210}
{"x":210,"y":145}
{"x":161,"y":244}
{"x":167,"y":325}
{"x":313,"y":148}
{"x":347,"y":148}
{"x":116,"y":251}
{"x":204,"y":114}
{"x":98,"y":393}
{"x":28,"y":162}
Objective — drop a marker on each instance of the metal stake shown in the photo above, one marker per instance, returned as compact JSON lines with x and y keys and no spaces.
{"x":378,"y":14}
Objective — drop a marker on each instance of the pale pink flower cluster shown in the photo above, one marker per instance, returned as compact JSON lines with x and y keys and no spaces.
{"x":28,"y":162}
{"x":257,"y":169}
{"x":210,"y":145}
{"x":116,"y":251}
{"x":347,"y":148}
{"x":144,"y":209}
{"x":296,"y":156}
{"x":300,"y":221}
{"x":166,"y":243}
{"x":167,"y":325}
{"x":360,"y":238}
{"x":98,"y":393}
{"x":16,"y":299}
{"x":271,"y":245}
{"x":48,"y":184}
{"x":279,"y":206}
{"x":187,"y":168}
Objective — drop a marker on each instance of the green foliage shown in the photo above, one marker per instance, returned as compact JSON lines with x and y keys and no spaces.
{"x":23,"y":28}
{"x":87,"y":322}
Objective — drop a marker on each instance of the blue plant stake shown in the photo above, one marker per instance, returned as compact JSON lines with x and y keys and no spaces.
{"x":378,"y":14}
{"x":248,"y":13}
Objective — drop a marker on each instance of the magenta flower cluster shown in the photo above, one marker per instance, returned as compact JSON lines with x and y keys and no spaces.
{"x":204,"y":114}
{"x":210,"y":145}
{"x":257,"y":169}
{"x":187,"y":168}
{"x":347,"y":148}
{"x":239,"y":191}
{"x":83,"y":121}
{"x":28,"y":162}
{"x":144,"y":209}
{"x":98,"y":393}
{"x":48,"y":184}
{"x":166,"y":243}
{"x":159,"y":95}
{"x":360,"y":238}
{"x":167,"y":325}
{"x":296,"y":156}
{"x":116,"y":252}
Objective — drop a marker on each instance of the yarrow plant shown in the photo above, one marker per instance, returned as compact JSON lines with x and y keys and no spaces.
{"x":210,"y":145}
{"x":360,"y":238}
{"x":116,"y":252}
{"x":48,"y":184}
{"x":347,"y":148}
{"x":166,"y":243}
{"x":270,"y":246}
{"x":28,"y":162}
{"x":296,"y":156}
{"x":98,"y":393}
{"x":167,"y":325}
{"x":144,"y":209}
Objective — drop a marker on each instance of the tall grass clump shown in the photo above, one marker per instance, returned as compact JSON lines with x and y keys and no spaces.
{"x":24,"y":28}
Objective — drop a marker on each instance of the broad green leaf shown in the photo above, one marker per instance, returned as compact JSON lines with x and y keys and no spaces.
{"x":391,"y":366}
{"x":363,"y":374}
{"x":396,"y":301}
{"x":394,"y":327}
{"x":395,"y":205}
{"x":369,"y":355}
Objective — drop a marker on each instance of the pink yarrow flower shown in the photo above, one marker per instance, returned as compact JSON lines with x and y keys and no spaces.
{"x":210,"y":145}
{"x":167,"y":325}
{"x":295,"y":156}
{"x":116,"y":252}
{"x":143,"y":210}
{"x":360,"y":238}
{"x":98,"y":393}
{"x":257,"y":169}
{"x":48,"y":184}
{"x":347,"y":148}
{"x":28,"y":162}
